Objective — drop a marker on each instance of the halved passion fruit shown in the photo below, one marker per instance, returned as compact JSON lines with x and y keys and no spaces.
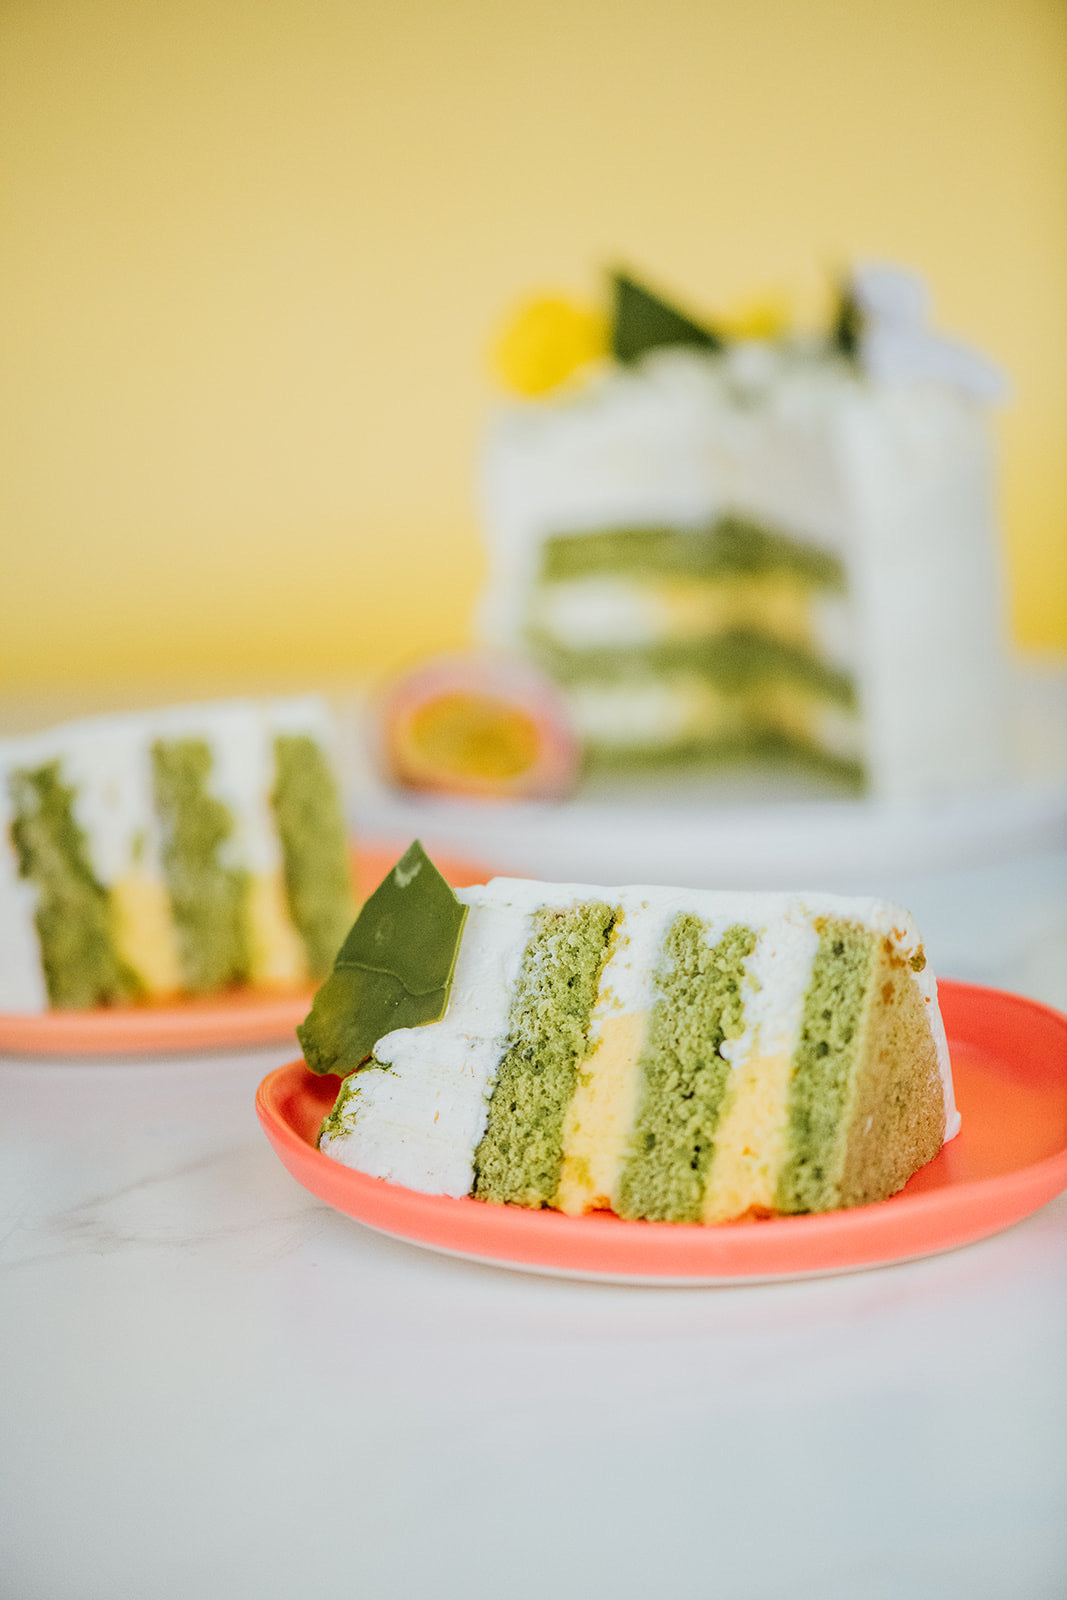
{"x":485,"y":726}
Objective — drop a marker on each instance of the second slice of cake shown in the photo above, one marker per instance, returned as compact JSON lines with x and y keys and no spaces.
{"x":187,"y":851}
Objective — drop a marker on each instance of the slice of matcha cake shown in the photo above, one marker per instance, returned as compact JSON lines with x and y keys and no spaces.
{"x":675,"y":1055}
{"x":185,"y":851}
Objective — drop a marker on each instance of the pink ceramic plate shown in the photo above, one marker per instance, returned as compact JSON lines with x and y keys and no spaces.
{"x":1009,"y":1062}
{"x":242,"y":1017}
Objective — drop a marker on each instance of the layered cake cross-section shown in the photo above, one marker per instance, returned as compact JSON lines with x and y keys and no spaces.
{"x":674,"y":1055}
{"x":186,"y":851}
{"x":755,"y":550}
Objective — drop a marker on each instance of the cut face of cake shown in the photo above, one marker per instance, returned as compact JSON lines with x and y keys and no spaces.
{"x":757,"y":552}
{"x":186,"y":851}
{"x":722,"y":641}
{"x":682,"y":1056}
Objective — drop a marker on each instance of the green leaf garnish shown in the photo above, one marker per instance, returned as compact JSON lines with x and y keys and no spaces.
{"x":641,"y":321}
{"x":847,"y":324}
{"x":394,"y":970}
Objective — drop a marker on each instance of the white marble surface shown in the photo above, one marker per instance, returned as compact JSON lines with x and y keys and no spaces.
{"x":213,"y":1386}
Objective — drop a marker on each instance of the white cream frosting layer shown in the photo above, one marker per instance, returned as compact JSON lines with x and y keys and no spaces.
{"x":648,"y":712}
{"x":608,"y":611}
{"x":417,"y":1116}
{"x":22,"y":987}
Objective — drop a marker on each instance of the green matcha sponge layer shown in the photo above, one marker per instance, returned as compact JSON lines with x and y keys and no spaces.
{"x":684,"y":1072}
{"x":521,"y":1153}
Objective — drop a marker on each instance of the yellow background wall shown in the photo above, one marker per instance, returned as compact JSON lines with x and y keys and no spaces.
{"x":253,"y":251}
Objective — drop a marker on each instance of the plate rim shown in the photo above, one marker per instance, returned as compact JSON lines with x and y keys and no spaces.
{"x":238,"y":1017}
{"x":608,"y":1248}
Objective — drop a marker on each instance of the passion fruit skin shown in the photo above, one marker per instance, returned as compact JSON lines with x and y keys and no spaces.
{"x":485,"y":728}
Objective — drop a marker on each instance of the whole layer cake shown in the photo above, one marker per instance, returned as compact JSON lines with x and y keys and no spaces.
{"x":730,"y":549}
{"x":677,"y":1055}
{"x":185,"y":851}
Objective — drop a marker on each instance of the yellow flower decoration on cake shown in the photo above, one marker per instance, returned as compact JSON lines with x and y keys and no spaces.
{"x":546,"y":341}
{"x":765,"y":317}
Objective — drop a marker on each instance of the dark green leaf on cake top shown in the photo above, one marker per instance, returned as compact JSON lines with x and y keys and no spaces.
{"x":641,"y":321}
{"x":847,"y":325}
{"x":394,"y":970}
